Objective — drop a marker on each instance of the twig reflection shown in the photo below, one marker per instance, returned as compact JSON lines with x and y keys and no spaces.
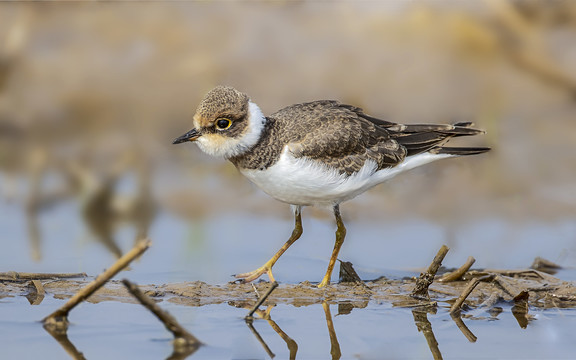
{"x":61,"y":336}
{"x":463,"y":328}
{"x":424,"y":326}
{"x":259,"y":337}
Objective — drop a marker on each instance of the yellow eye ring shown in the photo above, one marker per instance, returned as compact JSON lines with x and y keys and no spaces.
{"x":223,"y":123}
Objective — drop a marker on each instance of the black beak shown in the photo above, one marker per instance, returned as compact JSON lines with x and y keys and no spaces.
{"x":191,"y":135}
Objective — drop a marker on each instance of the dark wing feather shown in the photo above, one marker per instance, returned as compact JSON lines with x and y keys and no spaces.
{"x":336,"y":135}
{"x":344,"y":137}
{"x":419,"y":138}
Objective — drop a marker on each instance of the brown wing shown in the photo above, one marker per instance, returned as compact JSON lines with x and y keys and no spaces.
{"x":338,"y":136}
{"x":344,"y":137}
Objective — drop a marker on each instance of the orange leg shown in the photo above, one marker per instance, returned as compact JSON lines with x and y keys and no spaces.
{"x":267,"y":267}
{"x":340,"y":235}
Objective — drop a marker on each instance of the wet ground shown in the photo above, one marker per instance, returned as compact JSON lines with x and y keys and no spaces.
{"x":88,"y":110}
{"x":374,"y":321}
{"x":378,"y":320}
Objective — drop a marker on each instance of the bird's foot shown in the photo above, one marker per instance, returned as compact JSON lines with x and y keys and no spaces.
{"x":253,"y":275}
{"x":324,"y":282}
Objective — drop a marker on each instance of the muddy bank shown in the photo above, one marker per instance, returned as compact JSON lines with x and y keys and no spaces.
{"x":497,"y":286}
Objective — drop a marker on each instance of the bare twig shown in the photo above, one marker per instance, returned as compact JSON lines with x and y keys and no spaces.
{"x":17,"y":276}
{"x":273,"y":286}
{"x":457,"y":274}
{"x":490,"y":302}
{"x":562,"y":297}
{"x":508,"y":285}
{"x":39,"y":287}
{"x":544,"y":265}
{"x":168,"y":320}
{"x":255,"y":290}
{"x":36,"y":296}
{"x":425,"y":280}
{"x":467,"y":290}
{"x":60,"y":316}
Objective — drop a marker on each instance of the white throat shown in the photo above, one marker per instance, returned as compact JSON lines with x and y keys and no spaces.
{"x":256,"y":121}
{"x":216,"y":145}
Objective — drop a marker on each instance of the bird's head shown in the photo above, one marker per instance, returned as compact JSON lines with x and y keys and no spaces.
{"x":226,"y":123}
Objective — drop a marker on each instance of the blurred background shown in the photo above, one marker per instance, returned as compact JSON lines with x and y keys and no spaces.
{"x":92,"y":94}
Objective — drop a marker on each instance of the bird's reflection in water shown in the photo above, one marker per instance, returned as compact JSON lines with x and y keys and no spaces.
{"x":265,"y":314}
{"x":292,"y":345}
{"x":420,"y":317}
{"x":334,"y":345}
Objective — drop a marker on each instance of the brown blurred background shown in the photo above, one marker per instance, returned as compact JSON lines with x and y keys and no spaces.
{"x":91,"y":94}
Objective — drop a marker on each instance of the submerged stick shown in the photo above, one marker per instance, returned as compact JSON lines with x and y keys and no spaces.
{"x":15,"y":276}
{"x":425,"y":280}
{"x":60,"y":316}
{"x":168,"y":320}
{"x":273,"y":286}
{"x":457,"y":274}
{"x":467,"y":290}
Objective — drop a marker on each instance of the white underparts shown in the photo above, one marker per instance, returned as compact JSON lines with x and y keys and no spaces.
{"x":302,"y":181}
{"x":227,"y":147}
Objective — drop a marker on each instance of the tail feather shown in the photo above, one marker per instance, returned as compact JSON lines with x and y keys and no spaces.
{"x":454,"y":130}
{"x":459,"y":151}
{"x":422,"y":138}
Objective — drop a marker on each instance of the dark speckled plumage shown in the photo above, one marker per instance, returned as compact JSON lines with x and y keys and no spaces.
{"x":340,"y":138}
{"x":343,"y":137}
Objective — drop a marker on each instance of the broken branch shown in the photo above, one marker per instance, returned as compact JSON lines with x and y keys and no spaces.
{"x":457,"y":274}
{"x":60,"y":316}
{"x":16,"y":276}
{"x":467,"y":290}
{"x":425,"y":280}
{"x":273,"y":286}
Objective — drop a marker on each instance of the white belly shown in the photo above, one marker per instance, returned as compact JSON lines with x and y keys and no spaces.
{"x":301,"y":181}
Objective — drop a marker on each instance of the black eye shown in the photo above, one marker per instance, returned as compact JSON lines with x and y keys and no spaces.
{"x":223,"y":123}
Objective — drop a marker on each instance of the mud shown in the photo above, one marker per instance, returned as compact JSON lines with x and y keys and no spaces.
{"x":538,"y":289}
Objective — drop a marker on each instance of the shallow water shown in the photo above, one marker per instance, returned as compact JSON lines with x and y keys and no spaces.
{"x":115,"y":330}
{"x":207,"y":251}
